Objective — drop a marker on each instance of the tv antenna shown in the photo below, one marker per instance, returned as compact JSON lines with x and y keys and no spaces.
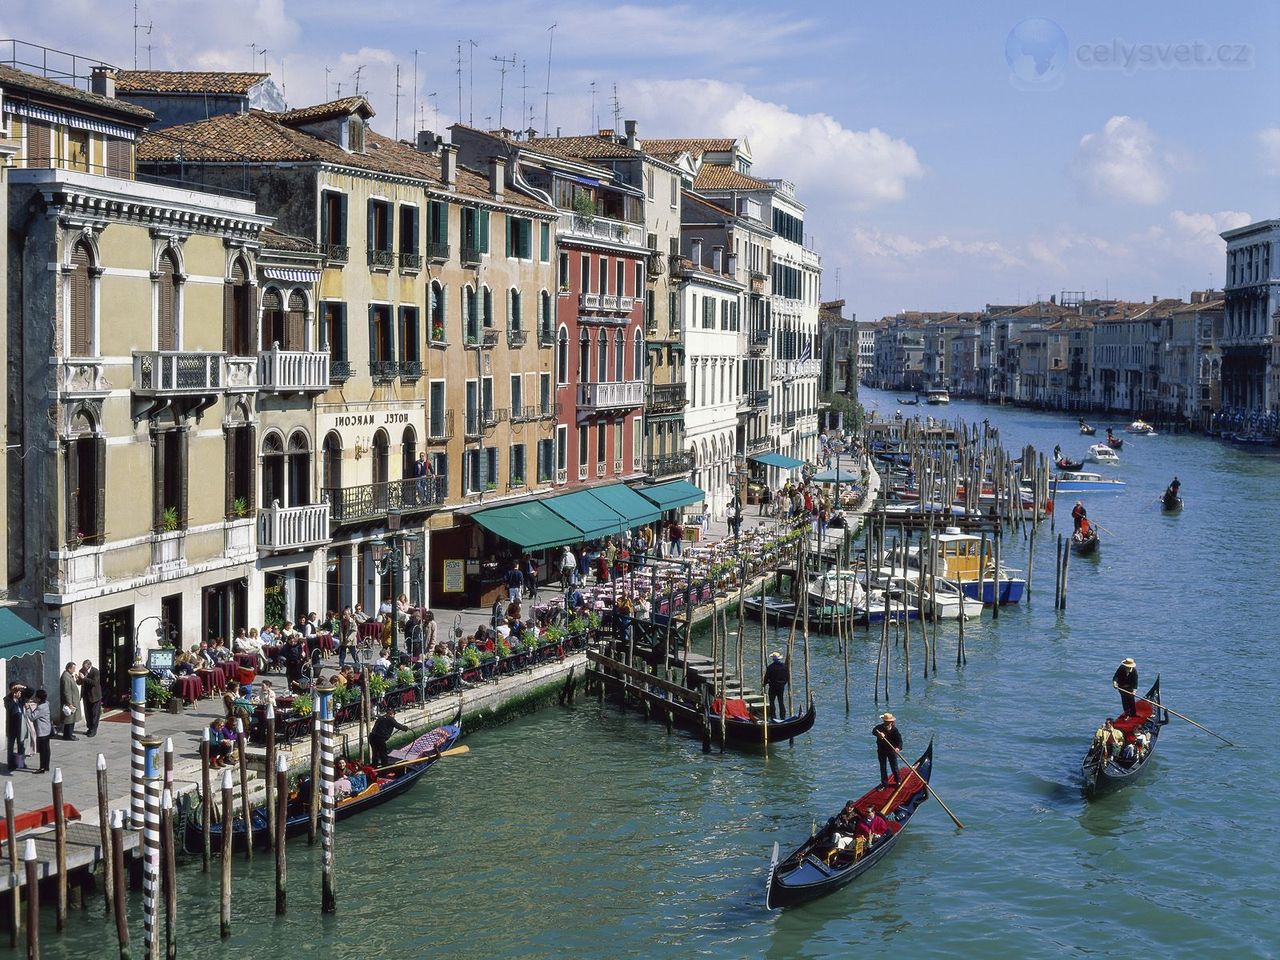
{"x":253,"y":57}
{"x":358,"y":71}
{"x":506,"y":62}
{"x":263,"y":54}
{"x":617,"y":110}
{"x":416,"y":118}
{"x":593,"y":122}
{"x":327,"y":71}
{"x":397,"y":121}
{"x":471,"y":83}
{"x":546,"y":94}
{"x":459,"y":73}
{"x":433,"y":96}
{"x":524,"y":91}
{"x":146,"y":27}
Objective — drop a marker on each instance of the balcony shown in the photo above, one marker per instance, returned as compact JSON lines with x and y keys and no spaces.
{"x":492,"y":417}
{"x":438,"y":251}
{"x":759,"y":444}
{"x":382,"y":259}
{"x":601,"y":228}
{"x":477,"y":423}
{"x":667,"y":397}
{"x":340,"y":371}
{"x":383,"y":371}
{"x":547,"y":337}
{"x":411,"y":262}
{"x":488,"y":340}
{"x":532,"y":412}
{"x":680,"y":266}
{"x":668,"y":465}
{"x":168,"y":551}
{"x":194,"y":379}
{"x":282,"y":529}
{"x":758,"y":398}
{"x":516,"y":338}
{"x":470,"y":256}
{"x":336,"y":253}
{"x":372,"y":501}
{"x":293,"y":371}
{"x":758,"y":340}
{"x":606,"y":307}
{"x":440,"y":427}
{"x":594,"y":397}
{"x":788,"y":421}
{"x":759,"y":281}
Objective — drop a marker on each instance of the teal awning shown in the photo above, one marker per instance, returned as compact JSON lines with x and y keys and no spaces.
{"x":529,"y":525}
{"x":832,"y":475}
{"x":777,"y":460}
{"x":673,"y":494}
{"x":17,"y":637}
{"x":634,"y":509}
{"x":590,"y":515}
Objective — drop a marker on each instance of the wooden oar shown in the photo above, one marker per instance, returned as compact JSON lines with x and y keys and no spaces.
{"x":453,"y":752}
{"x":1102,"y":528}
{"x":932,"y":792}
{"x":1181,"y":717}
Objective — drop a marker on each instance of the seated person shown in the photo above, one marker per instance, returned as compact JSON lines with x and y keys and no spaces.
{"x":1128,"y":754}
{"x":1108,"y":739}
{"x":183,"y":665}
{"x":1142,"y":743}
{"x":222,"y":743}
{"x":871,"y":825}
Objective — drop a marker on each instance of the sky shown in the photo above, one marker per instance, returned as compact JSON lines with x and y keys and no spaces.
{"x":949,"y":156}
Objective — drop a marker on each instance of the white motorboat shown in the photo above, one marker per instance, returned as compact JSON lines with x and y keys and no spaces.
{"x":1075,"y":481}
{"x":946,"y":601}
{"x":1141,"y":428}
{"x":837,"y":587}
{"x":937,"y":396}
{"x":1101,"y":453}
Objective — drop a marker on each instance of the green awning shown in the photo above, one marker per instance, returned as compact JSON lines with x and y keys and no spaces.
{"x":17,"y":637}
{"x":673,"y":494}
{"x":777,"y":460}
{"x":634,"y":509}
{"x":592,"y":516}
{"x":529,"y":525}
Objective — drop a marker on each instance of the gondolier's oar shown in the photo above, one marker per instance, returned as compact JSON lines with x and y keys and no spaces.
{"x":1181,"y":717}
{"x":932,"y":792}
{"x":452,"y":752}
{"x":1102,"y":528}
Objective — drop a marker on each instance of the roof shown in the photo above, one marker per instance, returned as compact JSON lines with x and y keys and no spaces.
{"x":12,"y":80}
{"x":583,"y":148}
{"x":716,"y":176}
{"x":187,"y":81}
{"x":260,"y":137}
{"x":697,"y":146}
{"x":323,"y":111}
{"x":273,"y":239}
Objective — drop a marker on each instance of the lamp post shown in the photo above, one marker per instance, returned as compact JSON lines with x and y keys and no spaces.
{"x":137,"y":634}
{"x":389,"y":557}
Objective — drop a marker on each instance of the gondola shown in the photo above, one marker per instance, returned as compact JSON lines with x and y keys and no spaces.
{"x":1114,"y":442}
{"x":1170,"y":502}
{"x":817,"y":868}
{"x":909,"y":403}
{"x":1064,"y":463}
{"x":298,"y":818}
{"x":743,"y":732}
{"x":1102,"y":773}
{"x":1087,"y":430}
{"x":1084,"y":543}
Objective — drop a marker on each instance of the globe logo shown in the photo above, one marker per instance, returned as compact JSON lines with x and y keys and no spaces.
{"x":1036,"y":51}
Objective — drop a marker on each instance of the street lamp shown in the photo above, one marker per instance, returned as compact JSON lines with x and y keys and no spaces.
{"x":137,"y":633}
{"x":388,"y":557}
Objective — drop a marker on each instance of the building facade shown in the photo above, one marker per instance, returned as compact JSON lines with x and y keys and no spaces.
{"x":1250,"y":341}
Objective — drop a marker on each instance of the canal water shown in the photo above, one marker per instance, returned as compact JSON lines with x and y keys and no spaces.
{"x":583,"y":832}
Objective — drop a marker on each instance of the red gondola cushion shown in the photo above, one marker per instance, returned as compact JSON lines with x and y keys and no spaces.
{"x":734,"y":709}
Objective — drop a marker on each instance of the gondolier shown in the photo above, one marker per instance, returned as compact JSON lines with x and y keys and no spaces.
{"x":1078,"y":515}
{"x":776,"y":678}
{"x":383,"y":727}
{"x":888,"y":742}
{"x":1126,"y":681}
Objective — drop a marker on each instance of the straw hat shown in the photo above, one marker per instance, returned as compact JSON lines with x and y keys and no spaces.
{"x":888,"y":717}
{"x":775,"y":656}
{"x":1128,"y":662}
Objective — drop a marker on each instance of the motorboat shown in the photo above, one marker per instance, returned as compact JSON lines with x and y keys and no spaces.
{"x":960,"y":560}
{"x":836,"y":586}
{"x":1076,"y":481}
{"x":937,"y":396}
{"x":1101,"y":453}
{"x":1141,"y":428}
{"x":945,"y":600}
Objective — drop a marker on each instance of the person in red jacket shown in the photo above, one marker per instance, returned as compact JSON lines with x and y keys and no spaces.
{"x":1078,"y":514}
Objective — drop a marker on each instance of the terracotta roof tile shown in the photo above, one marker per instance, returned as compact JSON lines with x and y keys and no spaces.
{"x":273,"y":239}
{"x":187,"y":81}
{"x":12,"y":80}
{"x":322,"y":111}
{"x":582,"y":148}
{"x":715,"y":176}
{"x":696,"y":146}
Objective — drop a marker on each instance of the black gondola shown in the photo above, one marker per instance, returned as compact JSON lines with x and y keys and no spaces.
{"x":1114,"y":442}
{"x":1064,"y":463}
{"x":753,"y":733}
{"x":820,"y":866}
{"x":1084,"y":542}
{"x":1087,"y":430}
{"x":1101,"y":772}
{"x":1170,"y":502}
{"x":428,"y":745}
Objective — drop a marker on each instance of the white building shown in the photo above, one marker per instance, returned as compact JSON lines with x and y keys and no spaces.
{"x":866,"y":350}
{"x":1250,"y":338}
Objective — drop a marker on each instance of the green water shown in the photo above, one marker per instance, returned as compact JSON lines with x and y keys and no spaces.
{"x":583,"y":832}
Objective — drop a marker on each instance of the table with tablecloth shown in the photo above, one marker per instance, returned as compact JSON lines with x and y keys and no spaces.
{"x":190,"y":688}
{"x":211,"y":679}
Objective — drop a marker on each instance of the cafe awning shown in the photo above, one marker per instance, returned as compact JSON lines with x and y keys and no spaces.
{"x":589,"y":514}
{"x":777,"y":460}
{"x":17,"y":637}
{"x":529,"y":525}
{"x":634,"y":509}
{"x":673,"y":494}
{"x":841,"y":475}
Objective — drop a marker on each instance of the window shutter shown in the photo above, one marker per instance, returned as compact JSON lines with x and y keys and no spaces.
{"x":295,"y":331}
{"x":342,"y":218}
{"x":484,"y":231}
{"x":324,"y":217}
{"x":100,"y":489}
{"x":157,"y":459}
{"x":415,"y":225}
{"x":228,"y":316}
{"x":341,"y":313}
{"x":373,"y":338}
{"x":373,"y":224}
{"x":71,"y":461}
{"x":392,"y":354}
{"x":81,"y":304}
{"x":544,"y":239}
{"x":166,"y":313}
{"x":229,"y":454}
{"x":182,"y":478}
{"x":510,"y":225}
{"x":39,"y":144}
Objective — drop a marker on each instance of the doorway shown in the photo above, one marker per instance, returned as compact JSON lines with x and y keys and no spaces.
{"x":115,"y":654}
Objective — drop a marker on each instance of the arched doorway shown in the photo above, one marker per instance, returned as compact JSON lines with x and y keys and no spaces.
{"x":299,"y":469}
{"x":273,"y":471}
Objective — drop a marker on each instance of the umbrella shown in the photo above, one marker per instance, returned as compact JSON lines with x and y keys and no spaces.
{"x":837,"y":475}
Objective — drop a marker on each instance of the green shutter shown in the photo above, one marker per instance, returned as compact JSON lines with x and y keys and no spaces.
{"x":373,"y":339}
{"x":544,"y":236}
{"x":324,"y":217}
{"x":484,"y":231}
{"x":373,"y":225}
{"x":508,"y":220}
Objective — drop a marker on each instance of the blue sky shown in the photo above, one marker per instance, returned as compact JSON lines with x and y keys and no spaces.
{"x":936,"y":175}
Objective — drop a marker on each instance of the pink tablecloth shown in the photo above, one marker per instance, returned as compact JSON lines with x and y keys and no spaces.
{"x":371,"y":630}
{"x":327,"y":642}
{"x":211,"y":680}
{"x":189,"y":688}
{"x":226,"y":672}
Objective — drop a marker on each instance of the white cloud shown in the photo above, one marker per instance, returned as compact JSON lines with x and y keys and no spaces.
{"x":870,"y":242}
{"x":1269,"y":149}
{"x":835,"y":169}
{"x":1124,"y":161}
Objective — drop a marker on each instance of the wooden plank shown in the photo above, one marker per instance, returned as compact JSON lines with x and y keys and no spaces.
{"x":622,"y":671}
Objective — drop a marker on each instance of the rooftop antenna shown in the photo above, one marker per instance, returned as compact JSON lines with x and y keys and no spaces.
{"x":546,"y":94}
{"x":359,"y":70}
{"x":617,"y":110}
{"x":148,"y":54}
{"x":397,"y":124}
{"x":471,"y":82}
{"x":593,"y":122}
{"x":327,"y":71}
{"x":433,"y":96}
{"x":459,"y":73}
{"x":253,"y":57}
{"x":337,"y":92}
{"x":524,"y":91}
{"x":502,"y":82}
{"x":263,"y":54}
{"x":146,"y":27}
{"x":416,"y":117}
{"x":282,"y":87}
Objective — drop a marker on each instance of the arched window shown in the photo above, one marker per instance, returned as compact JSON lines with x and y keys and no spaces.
{"x":487,"y":304}
{"x":299,"y":469}
{"x":619,"y":355}
{"x":381,"y":453}
{"x":408,"y":451}
{"x":513,"y":307}
{"x":544,"y":313}
{"x":295,"y":331}
{"x":602,"y":362}
{"x":584,"y":356}
{"x":331,"y":463}
{"x":273,"y":471}
{"x":638,"y":356}
{"x":272,"y":319}
{"x":85,"y":467}
{"x":237,"y":320}
{"x":80,"y":342}
{"x":562,"y":356}
{"x":167,"y":303}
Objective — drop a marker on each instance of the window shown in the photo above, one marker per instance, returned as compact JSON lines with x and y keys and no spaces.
{"x":331,"y":462}
{"x":355,"y":135}
{"x":619,"y":355}
{"x":81,"y":341}
{"x":585,"y":279}
{"x":517,"y":400}
{"x":39,"y":144}
{"x":272,"y":318}
{"x":486,"y":398}
{"x":604,"y":276}
{"x":562,"y":447}
{"x":582,"y":446}
{"x":78,"y":150}
{"x":650,"y":321}
{"x":438,"y":230}
{"x":167,"y":303}
{"x":334,"y":329}
{"x":544,"y":242}
{"x":637,"y":358}
{"x":546,"y":460}
{"x":515,"y":465}
{"x":85,"y":462}
{"x":621,"y":267}
{"x":437,"y":302}
{"x":675,"y":192}
{"x":440,"y":468}
{"x":382,"y":337}
{"x":475,"y":233}
{"x":562,"y":356}
{"x":410,"y":342}
{"x":408,"y":232}
{"x":648,"y":183}
{"x":617,"y":443}
{"x":491,"y":468}
{"x":673,"y":310}
{"x":333,"y":222}
{"x":298,"y":470}
{"x":471,"y":480}
{"x":487,"y":303}
{"x":639,"y":278}
{"x":602,"y":439}
{"x":169,"y":479}
{"x":408,"y":452}
{"x":470,"y":316}
{"x":237,"y":318}
{"x":295,"y":327}
{"x":544,"y":317}
{"x":584,"y":356}
{"x":544,"y":394}
{"x":602,"y":364}
{"x":473,"y":408}
{"x":380,"y":230}
{"x":436,"y":410}
{"x":513,"y":308}
{"x":708,"y":313}
{"x":519,"y":237}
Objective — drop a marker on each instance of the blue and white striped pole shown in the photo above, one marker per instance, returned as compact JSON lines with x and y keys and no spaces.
{"x":324,"y":715}
{"x":154,"y":773}
{"x":138,"y":674}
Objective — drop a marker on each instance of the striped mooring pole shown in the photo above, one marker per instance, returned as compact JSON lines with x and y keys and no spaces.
{"x":138,"y":674}
{"x":324,"y":715}
{"x":154,"y":773}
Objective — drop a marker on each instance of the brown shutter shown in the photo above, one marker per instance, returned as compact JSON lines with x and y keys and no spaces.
{"x":71,"y":461}
{"x":39,"y":143}
{"x":157,"y":461}
{"x":295,"y":322}
{"x":251,"y":460}
{"x":229,"y":435}
{"x":167,"y":308}
{"x":118,"y":152}
{"x":81,"y":344}
{"x":183,"y":434}
{"x":228,"y":316}
{"x":100,"y":490}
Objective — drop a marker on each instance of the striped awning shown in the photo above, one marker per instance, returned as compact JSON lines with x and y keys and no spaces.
{"x":35,"y":112}
{"x":291,"y":274}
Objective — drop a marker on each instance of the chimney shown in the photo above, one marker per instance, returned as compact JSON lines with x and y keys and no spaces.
{"x":695,"y":251}
{"x":732,"y":269}
{"x":717,"y":258}
{"x":449,"y":165}
{"x":102,"y":81}
{"x":1154,"y":298}
{"x":497,"y":177}
{"x":630,"y":127}
{"x":428,"y":141}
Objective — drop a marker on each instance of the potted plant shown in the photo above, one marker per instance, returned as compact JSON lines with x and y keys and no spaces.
{"x":158,"y":695}
{"x":302,"y":704}
{"x":169,"y":520}
{"x":439,"y":667}
{"x":437,"y":332}
{"x":584,"y":206}
{"x":405,"y":677}
{"x":239,"y":508}
{"x":378,"y":685}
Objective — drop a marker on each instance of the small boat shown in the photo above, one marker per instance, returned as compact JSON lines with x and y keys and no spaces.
{"x":937,"y":396}
{"x":1101,"y":772}
{"x":1075,"y":481}
{"x":946,"y":600}
{"x":960,"y":561}
{"x":1251,"y":440}
{"x":909,"y":403}
{"x":1085,"y":541}
{"x":823,"y":863}
{"x":1114,"y":442}
{"x":1170,"y":502}
{"x":1065,"y":463}
{"x":1102,"y":453}
{"x":1087,"y":430}
{"x":835,"y":587}
{"x":1141,"y":428}
{"x":298,"y":819}
{"x":742,"y":728}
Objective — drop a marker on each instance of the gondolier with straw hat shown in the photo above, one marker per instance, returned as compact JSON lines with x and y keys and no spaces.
{"x":888,"y":742}
{"x":1126,"y":681}
{"x":776,"y":678}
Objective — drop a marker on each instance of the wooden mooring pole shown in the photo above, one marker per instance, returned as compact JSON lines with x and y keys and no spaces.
{"x":104,"y":828}
{"x":33,"y":900}
{"x":281,"y":813}
{"x":60,"y":846}
{"x":15,"y":891}
{"x":120,"y":905}
{"x":228,"y":842}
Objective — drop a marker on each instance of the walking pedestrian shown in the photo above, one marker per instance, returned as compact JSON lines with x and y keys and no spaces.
{"x":70,"y":693}
{"x":766,"y":500}
{"x":675,"y":535}
{"x":568,"y":569}
{"x":14,"y":720}
{"x":515,"y":582}
{"x":90,"y":681}
{"x":348,"y":633}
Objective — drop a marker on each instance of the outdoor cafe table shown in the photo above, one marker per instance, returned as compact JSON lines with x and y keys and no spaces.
{"x":211,"y":679}
{"x":190,"y":688}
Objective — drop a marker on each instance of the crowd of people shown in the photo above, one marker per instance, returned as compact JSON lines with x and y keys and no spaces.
{"x":32,"y":719}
